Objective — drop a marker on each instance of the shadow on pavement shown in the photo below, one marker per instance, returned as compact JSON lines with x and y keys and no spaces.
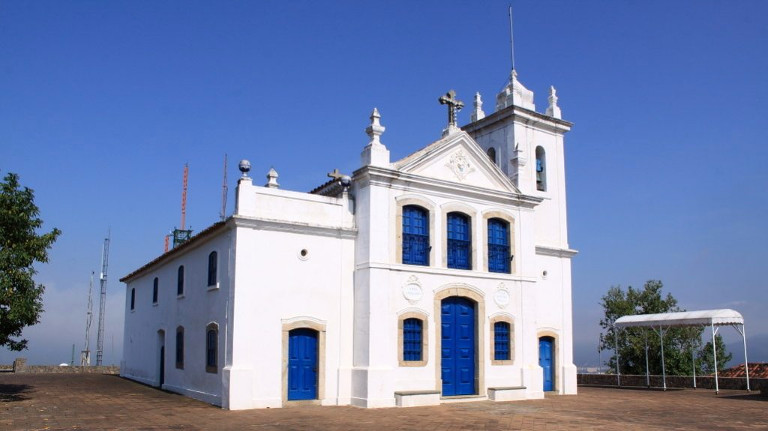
{"x":11,"y":393}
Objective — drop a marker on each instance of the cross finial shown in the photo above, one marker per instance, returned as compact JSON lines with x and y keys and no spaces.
{"x":454,"y":106}
{"x":335,"y":174}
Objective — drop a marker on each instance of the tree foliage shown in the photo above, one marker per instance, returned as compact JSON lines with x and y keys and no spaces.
{"x":682,"y":346}
{"x":20,"y":247}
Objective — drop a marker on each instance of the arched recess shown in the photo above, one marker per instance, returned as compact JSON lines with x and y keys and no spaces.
{"x":314,"y":325}
{"x":476,"y":296}
{"x":541,"y":169}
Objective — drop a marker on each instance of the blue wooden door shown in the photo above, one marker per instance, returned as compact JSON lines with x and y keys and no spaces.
{"x":302,"y":364}
{"x":546,"y":362}
{"x":458,"y":346}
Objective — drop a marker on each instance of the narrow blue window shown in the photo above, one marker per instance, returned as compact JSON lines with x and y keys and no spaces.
{"x":498,"y":246}
{"x":180,"y":281}
{"x":133,"y":298}
{"x":459,"y":241}
{"x":180,"y":348}
{"x":415,"y":235}
{"x":212,"y":261}
{"x":211,"y":349}
{"x":501,"y":341}
{"x":412,"y":339}
{"x":154,"y":290}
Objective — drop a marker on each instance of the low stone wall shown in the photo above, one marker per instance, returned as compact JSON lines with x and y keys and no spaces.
{"x":704,"y":382}
{"x":20,"y":366}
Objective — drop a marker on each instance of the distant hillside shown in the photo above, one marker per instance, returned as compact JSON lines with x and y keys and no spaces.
{"x":757,"y":350}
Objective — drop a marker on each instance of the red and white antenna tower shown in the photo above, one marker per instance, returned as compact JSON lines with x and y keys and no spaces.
{"x":184,"y":197}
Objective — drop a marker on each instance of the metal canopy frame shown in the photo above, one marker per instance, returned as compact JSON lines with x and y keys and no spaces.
{"x":659,"y":322}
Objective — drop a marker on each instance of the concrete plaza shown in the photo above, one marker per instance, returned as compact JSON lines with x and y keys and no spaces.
{"x":82,"y":401}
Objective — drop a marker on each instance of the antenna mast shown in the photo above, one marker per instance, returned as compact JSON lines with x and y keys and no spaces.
{"x":511,"y":39}
{"x":223,"y":213}
{"x":103,"y":300}
{"x":184,"y":197}
{"x":183,"y":234}
{"x":85,"y":355}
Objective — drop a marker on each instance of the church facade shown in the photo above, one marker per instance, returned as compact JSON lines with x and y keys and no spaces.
{"x":441,"y":276}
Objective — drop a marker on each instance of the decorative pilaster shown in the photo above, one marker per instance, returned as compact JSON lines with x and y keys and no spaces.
{"x":553,"y":110}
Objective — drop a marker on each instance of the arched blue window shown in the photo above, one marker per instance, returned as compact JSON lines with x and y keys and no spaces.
{"x":412,"y":339}
{"x":180,"y":347}
{"x":212,"y":262}
{"x":180,"y":281}
{"x":459,"y":241}
{"x":499,"y":257}
{"x":155,"y":287}
{"x":541,"y":170}
{"x":501,"y":351}
{"x":211,"y":348}
{"x":415,"y":235}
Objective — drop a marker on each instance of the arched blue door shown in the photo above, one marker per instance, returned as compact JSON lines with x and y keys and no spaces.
{"x":302,"y":364}
{"x":458,"y":346}
{"x":546,"y":361}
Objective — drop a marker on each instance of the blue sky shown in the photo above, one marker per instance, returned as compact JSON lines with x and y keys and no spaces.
{"x":102,"y":104}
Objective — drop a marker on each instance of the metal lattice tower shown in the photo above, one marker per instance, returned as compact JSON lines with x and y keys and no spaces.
{"x":85,"y":355}
{"x":102,"y":301}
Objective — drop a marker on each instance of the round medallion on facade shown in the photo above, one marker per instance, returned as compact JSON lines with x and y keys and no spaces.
{"x":501,"y":297}
{"x":412,"y":290}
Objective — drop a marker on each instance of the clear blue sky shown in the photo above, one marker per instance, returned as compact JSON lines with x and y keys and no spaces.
{"x":102,"y":103}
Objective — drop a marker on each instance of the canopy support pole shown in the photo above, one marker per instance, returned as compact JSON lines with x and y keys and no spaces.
{"x":714,"y":355}
{"x":693,"y":361}
{"x":743,"y":332}
{"x":618,"y":370}
{"x":663,"y":368}
{"x":647,"y":373}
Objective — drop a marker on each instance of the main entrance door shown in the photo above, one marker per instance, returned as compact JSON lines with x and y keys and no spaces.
{"x":458,"y":346}
{"x":546,"y":361}
{"x":302,"y":364}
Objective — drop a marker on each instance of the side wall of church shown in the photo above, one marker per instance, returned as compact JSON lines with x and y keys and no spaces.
{"x":292,"y":273}
{"x":152,"y":326}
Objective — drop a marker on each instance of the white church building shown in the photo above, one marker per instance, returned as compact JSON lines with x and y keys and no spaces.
{"x":442,"y":276}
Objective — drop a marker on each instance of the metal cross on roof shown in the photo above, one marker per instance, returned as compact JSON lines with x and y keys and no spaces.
{"x":454,"y":106}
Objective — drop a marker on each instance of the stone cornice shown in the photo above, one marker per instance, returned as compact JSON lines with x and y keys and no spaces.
{"x":395,"y":179}
{"x":518,"y":114}
{"x":293,"y":227}
{"x":555,"y":251}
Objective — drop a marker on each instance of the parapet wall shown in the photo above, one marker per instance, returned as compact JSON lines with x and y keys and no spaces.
{"x":703,"y":382}
{"x":20,"y":366}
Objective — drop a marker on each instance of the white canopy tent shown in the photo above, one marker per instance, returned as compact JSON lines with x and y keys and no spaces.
{"x":662,"y":321}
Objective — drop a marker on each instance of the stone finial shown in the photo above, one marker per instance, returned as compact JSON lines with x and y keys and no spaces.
{"x":553,"y":110}
{"x":375,"y":129}
{"x":272,"y":179}
{"x":515,"y":94}
{"x":477,"y":113}
{"x":375,"y":153}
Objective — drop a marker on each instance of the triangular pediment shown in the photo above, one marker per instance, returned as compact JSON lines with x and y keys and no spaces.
{"x":456,"y":158}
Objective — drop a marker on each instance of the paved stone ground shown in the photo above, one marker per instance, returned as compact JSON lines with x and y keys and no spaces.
{"x":92,"y":402}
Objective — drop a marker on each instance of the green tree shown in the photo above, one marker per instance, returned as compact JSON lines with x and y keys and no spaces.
{"x":20,"y":247}
{"x":682,"y":346}
{"x":706,"y":358}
